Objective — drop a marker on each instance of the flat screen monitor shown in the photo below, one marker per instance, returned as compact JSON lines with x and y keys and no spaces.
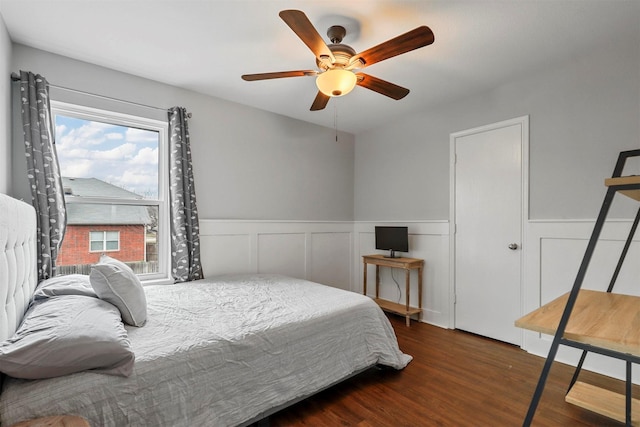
{"x":392,"y":239}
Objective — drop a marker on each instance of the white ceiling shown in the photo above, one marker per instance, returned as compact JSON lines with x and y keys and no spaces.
{"x":205,"y":45}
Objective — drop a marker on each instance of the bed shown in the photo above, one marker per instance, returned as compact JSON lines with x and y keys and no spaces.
{"x":224,"y":351}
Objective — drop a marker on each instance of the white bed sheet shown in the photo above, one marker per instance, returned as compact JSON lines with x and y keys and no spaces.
{"x":219,"y":352}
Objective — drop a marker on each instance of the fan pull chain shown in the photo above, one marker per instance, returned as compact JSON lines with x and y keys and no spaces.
{"x":335,"y":120}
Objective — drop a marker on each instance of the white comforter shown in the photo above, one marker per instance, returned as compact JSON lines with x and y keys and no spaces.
{"x":219,"y":352}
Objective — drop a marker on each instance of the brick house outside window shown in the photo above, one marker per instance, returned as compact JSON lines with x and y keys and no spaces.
{"x":120,"y":231}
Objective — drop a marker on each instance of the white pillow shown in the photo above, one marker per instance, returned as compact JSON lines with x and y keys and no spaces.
{"x":67,"y":334}
{"x":116,"y":283}
{"x":71,"y":284}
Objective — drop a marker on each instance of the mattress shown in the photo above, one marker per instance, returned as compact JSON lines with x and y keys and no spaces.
{"x":221,"y":351}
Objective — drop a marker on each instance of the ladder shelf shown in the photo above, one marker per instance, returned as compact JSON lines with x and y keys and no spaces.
{"x":595,"y":321}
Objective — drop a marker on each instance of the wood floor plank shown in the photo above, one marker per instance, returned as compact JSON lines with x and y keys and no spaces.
{"x":455,"y":379}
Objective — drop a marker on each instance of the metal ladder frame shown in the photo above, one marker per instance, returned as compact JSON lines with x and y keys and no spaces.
{"x":558,"y":338}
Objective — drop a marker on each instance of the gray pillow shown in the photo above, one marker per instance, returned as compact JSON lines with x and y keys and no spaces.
{"x":72,"y":284}
{"x":67,"y":334}
{"x":116,"y":283}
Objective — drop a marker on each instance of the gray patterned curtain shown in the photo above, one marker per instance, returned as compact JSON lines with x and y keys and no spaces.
{"x":185,"y":230}
{"x":43,"y":170}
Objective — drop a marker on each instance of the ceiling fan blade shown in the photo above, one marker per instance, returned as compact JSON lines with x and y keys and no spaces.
{"x":278,"y":75}
{"x":414,"y":39}
{"x":320,"y":102}
{"x":381,"y":86}
{"x":300,"y":24}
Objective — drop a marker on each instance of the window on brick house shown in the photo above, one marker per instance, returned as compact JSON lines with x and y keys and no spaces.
{"x":104,"y":241}
{"x":115,"y":186}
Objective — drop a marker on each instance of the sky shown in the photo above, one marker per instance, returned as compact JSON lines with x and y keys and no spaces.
{"x":123,"y":156}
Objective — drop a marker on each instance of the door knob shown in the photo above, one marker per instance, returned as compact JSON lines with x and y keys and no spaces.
{"x":513,"y":246}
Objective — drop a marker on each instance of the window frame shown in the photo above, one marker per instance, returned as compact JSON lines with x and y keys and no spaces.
{"x":104,"y":241}
{"x":122,"y":119}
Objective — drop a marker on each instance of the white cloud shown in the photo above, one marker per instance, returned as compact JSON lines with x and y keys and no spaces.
{"x":138,"y":178}
{"x":146,"y":156}
{"x":139,"y":181}
{"x":120,"y":152}
{"x":126,"y":157}
{"x":74,"y":153}
{"x":92,"y":133}
{"x":114,"y":136}
{"x":77,"y":169}
{"x":141,"y":135}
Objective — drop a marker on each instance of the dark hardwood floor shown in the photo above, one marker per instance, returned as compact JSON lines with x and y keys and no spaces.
{"x":455,"y":379}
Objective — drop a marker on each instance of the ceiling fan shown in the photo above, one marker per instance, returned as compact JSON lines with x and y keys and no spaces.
{"x":338,"y":64}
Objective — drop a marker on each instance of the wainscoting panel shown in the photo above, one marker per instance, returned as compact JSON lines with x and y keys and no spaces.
{"x":225,"y":254}
{"x":317,"y":251}
{"x":330,"y":256}
{"x":556,"y":249}
{"x":282,"y":253}
{"x":561,"y":259}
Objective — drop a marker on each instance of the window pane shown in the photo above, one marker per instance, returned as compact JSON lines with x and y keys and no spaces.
{"x":112,"y":246}
{"x":106,"y":160}
{"x":96,"y":236}
{"x":130,"y":235}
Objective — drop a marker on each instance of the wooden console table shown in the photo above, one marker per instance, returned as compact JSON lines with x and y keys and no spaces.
{"x":407,"y":264}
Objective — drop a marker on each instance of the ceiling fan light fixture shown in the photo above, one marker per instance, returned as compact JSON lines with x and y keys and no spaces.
{"x":336,"y":82}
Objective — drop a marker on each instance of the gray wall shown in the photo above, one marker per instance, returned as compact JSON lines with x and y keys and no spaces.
{"x":248,"y":163}
{"x":5,"y":109}
{"x":251,"y":164}
{"x":582,"y":113}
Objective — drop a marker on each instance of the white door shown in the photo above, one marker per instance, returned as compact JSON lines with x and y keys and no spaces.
{"x":488,"y":229}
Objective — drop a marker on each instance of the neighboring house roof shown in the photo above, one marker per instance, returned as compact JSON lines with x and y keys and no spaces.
{"x":90,"y":214}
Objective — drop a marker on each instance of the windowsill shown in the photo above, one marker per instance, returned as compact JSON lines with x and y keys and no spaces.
{"x":162,"y":281}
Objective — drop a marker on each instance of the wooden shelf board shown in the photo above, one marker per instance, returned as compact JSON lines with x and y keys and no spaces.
{"x":602,"y":319}
{"x":625,"y":180}
{"x":622,"y":180}
{"x":400,"y":262}
{"x":396,"y":308}
{"x":602,"y":401}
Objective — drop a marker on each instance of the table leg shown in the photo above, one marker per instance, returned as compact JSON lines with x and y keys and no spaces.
{"x":408,"y":286}
{"x":420,"y":291}
{"x":364,"y":291}
{"x":377,"y":280}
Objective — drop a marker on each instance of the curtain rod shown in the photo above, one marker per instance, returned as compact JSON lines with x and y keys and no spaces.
{"x":16,"y":78}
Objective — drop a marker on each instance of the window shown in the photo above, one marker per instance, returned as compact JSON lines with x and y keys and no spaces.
{"x":103,"y":241}
{"x":115,"y":183}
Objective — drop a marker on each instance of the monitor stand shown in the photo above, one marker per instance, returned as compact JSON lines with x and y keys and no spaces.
{"x":392,"y":254}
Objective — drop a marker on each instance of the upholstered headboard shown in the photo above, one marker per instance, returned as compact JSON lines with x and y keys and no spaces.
{"x":17,"y":262}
